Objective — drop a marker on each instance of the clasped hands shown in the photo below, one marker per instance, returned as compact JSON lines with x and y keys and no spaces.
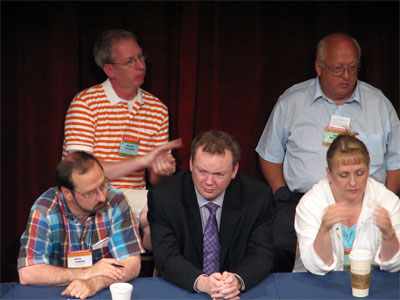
{"x":219,"y":286}
{"x":87,"y":283}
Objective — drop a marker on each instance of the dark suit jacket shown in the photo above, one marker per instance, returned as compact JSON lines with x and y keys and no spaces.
{"x":245,"y":230}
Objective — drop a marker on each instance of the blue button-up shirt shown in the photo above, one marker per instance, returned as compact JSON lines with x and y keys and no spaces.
{"x":294,"y":132}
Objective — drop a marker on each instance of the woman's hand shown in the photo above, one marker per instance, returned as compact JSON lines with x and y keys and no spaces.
{"x":390,"y":242}
{"x":336,"y":213}
{"x":382,"y":220}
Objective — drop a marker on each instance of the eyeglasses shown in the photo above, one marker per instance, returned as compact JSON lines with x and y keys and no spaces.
{"x":131,"y":63}
{"x":101,"y":189}
{"x":339,"y":70}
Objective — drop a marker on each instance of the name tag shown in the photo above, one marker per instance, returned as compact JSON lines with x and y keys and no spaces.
{"x":340,"y":122}
{"x":346,"y":262}
{"x":337,"y":125}
{"x":329,"y":135}
{"x":80,"y":259}
{"x":129,"y":147}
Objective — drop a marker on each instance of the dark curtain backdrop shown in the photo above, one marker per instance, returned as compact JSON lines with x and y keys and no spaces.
{"x":216,"y":65}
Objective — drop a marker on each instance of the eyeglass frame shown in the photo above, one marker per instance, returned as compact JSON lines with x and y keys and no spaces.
{"x":91,"y":195}
{"x":131,"y":62}
{"x":343,"y":69}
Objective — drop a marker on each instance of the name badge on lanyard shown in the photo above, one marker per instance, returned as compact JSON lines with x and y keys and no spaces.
{"x":75,"y":259}
{"x":80,"y":259}
{"x":346,"y":262}
{"x":338,"y":125}
{"x":129,"y":147}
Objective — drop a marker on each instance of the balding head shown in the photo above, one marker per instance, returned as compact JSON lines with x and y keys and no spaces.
{"x":336,"y":40}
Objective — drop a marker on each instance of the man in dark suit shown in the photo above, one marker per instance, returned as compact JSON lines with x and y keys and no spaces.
{"x":179,"y":219}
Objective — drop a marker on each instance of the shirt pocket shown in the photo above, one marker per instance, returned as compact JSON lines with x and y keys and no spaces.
{"x":376,"y":147}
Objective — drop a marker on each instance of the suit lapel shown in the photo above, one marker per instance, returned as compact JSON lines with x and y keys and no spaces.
{"x":231,"y":214}
{"x":191,"y":207}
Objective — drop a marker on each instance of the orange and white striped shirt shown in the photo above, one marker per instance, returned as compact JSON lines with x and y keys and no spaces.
{"x":97,"y":120}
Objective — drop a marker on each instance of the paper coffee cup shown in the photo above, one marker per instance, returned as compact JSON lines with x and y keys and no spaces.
{"x":121,"y":291}
{"x":360,"y":271}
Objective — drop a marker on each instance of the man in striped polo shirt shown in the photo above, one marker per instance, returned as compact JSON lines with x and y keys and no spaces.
{"x":121,"y":124}
{"x":81,"y":233}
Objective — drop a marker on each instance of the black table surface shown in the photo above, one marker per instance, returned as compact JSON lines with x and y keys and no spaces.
{"x":334,"y":285}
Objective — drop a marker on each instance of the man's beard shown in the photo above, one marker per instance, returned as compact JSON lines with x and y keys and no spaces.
{"x":100,"y":207}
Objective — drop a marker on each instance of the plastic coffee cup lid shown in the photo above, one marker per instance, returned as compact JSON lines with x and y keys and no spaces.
{"x":360,"y":255}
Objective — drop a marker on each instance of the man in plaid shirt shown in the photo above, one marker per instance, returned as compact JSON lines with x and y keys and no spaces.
{"x":81,"y":234}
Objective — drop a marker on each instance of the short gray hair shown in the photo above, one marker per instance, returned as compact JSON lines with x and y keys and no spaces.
{"x":102,"y":49}
{"x":322,"y":43}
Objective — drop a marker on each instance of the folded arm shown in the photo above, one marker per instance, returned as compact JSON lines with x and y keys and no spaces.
{"x":169,"y":259}
{"x":314,"y":239}
{"x":258,"y":261}
{"x":82,"y":282}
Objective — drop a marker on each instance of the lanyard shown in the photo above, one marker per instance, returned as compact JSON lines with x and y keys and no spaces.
{"x":130,"y":116}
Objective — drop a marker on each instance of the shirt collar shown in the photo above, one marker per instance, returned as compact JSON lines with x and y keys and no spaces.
{"x":113,"y":97}
{"x":203,"y":201}
{"x":318,"y":93}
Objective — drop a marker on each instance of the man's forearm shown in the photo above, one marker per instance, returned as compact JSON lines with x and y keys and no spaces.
{"x":131,"y":267}
{"x":124,"y":167}
{"x":393,"y":181}
{"x":116,"y":169}
{"x":273,"y":173}
{"x":45,"y":274}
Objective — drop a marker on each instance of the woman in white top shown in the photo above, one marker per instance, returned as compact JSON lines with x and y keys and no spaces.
{"x":348,"y":210}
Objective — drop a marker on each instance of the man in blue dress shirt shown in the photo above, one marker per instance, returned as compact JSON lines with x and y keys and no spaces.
{"x":304,"y":122}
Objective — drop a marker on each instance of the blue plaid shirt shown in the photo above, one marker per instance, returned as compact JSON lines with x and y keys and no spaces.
{"x":47,"y":238}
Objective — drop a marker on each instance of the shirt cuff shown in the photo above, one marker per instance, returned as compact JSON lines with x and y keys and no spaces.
{"x":78,"y":148}
{"x":392,"y":265}
{"x":241,"y":282}
{"x":317,"y":266}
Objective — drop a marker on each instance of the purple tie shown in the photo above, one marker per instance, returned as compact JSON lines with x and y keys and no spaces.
{"x":211,"y":242}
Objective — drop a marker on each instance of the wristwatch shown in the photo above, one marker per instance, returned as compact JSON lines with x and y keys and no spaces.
{"x":392,"y":235}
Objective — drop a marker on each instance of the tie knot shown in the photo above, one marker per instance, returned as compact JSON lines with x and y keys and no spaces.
{"x":212,"y":207}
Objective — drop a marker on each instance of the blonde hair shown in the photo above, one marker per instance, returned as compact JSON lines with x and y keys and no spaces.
{"x":346,"y":149}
